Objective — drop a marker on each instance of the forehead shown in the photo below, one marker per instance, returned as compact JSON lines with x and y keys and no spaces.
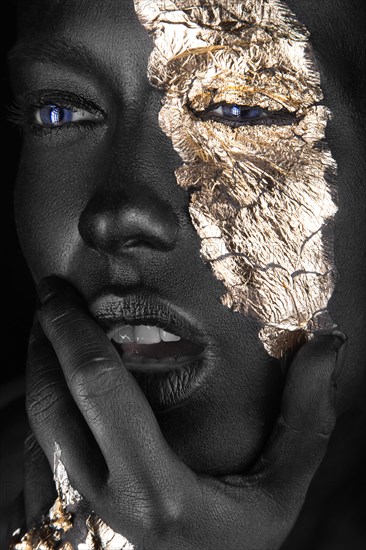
{"x":325,"y":15}
{"x":101,"y":40}
{"x":239,"y":46}
{"x":329,"y":21}
{"x":337,"y":28}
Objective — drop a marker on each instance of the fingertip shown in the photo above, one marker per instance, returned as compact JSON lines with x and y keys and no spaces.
{"x":311,"y":383}
{"x":323,"y":344}
{"x":341,"y":335}
{"x":336,"y":343}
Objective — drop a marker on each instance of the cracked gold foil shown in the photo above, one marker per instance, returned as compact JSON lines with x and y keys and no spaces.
{"x":69,"y":525}
{"x":264,"y":196}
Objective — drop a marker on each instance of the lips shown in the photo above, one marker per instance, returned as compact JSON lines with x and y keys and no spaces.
{"x":157,"y":342}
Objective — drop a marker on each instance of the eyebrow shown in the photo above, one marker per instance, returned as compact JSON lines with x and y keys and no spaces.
{"x":59,"y":52}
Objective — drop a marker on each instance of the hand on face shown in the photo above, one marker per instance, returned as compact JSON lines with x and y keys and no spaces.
{"x":81,"y":396}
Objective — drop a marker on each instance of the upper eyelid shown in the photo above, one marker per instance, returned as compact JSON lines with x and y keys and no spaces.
{"x":61,"y":98}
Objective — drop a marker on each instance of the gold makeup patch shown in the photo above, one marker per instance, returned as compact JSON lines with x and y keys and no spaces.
{"x":243,"y":109}
{"x":69,"y":524}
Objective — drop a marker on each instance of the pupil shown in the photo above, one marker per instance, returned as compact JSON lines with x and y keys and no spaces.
{"x":235,"y":110}
{"x":56,"y":115}
{"x":52,"y":115}
{"x":243,"y":113}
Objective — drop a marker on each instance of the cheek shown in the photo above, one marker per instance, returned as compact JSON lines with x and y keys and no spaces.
{"x":53,"y":185}
{"x":262,"y":201}
{"x":264,"y":211}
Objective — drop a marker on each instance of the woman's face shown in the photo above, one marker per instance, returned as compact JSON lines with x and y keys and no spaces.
{"x":97,"y":202}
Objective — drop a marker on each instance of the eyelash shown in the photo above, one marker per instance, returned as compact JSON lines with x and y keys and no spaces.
{"x":266,"y":117}
{"x":23,"y":110}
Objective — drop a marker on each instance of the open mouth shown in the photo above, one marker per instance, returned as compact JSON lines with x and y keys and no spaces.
{"x":163,"y":351}
{"x":147,"y":348}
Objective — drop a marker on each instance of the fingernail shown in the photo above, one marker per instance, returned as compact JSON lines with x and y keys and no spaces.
{"x":340,"y":335}
{"x":47,"y":288}
{"x":341,"y":353}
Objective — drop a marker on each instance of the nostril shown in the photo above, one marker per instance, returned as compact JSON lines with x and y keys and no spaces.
{"x":134,"y":243}
{"x":113,"y":226}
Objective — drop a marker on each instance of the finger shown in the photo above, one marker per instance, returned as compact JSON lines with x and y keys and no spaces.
{"x":145,"y":478}
{"x":106,"y":393}
{"x":54,"y":417}
{"x":302,"y":432}
{"x":272,"y":493}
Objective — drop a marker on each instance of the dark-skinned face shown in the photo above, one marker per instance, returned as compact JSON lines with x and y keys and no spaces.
{"x":97,"y":203}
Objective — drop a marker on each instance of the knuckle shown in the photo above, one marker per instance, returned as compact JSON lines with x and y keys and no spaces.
{"x":95,"y":378}
{"x":157,"y":519}
{"x":62,"y":314}
{"x":41,"y":402}
{"x":156,"y":514}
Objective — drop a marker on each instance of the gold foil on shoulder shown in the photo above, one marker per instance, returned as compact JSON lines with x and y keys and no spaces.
{"x":69,"y":525}
{"x":265,"y":194}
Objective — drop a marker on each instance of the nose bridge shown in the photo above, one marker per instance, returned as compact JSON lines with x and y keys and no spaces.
{"x":129,"y":208}
{"x":153,"y":154}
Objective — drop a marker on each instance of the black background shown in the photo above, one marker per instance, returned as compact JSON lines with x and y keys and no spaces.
{"x":18,"y":296}
{"x":17,"y":306}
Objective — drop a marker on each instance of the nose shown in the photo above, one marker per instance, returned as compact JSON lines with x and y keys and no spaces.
{"x":113,"y":222}
{"x":135,"y":203}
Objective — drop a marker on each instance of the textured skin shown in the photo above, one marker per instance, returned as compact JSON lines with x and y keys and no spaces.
{"x":264,"y":194}
{"x":129,"y":157}
{"x":135,"y":482}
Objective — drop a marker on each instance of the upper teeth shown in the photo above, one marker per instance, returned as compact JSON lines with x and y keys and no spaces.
{"x":142,"y":334}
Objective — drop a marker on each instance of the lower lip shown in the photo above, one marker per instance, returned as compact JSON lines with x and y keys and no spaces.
{"x":166,"y":382}
{"x":138,"y":363}
{"x":168,"y":389}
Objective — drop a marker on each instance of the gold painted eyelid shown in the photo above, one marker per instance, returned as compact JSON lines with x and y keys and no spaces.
{"x":284,"y":101}
{"x":208,"y":49}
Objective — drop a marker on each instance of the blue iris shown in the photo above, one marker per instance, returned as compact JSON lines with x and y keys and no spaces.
{"x":52,"y":115}
{"x":236,"y":111}
{"x":242,"y":112}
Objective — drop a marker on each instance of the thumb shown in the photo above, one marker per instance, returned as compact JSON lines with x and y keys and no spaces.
{"x":303,"y":429}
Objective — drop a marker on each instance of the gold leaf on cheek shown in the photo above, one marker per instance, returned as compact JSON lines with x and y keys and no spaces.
{"x":265,"y":191}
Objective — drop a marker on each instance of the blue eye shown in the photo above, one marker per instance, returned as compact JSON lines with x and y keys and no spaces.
{"x":239,"y":112}
{"x":235,"y":113}
{"x":52,"y":116}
